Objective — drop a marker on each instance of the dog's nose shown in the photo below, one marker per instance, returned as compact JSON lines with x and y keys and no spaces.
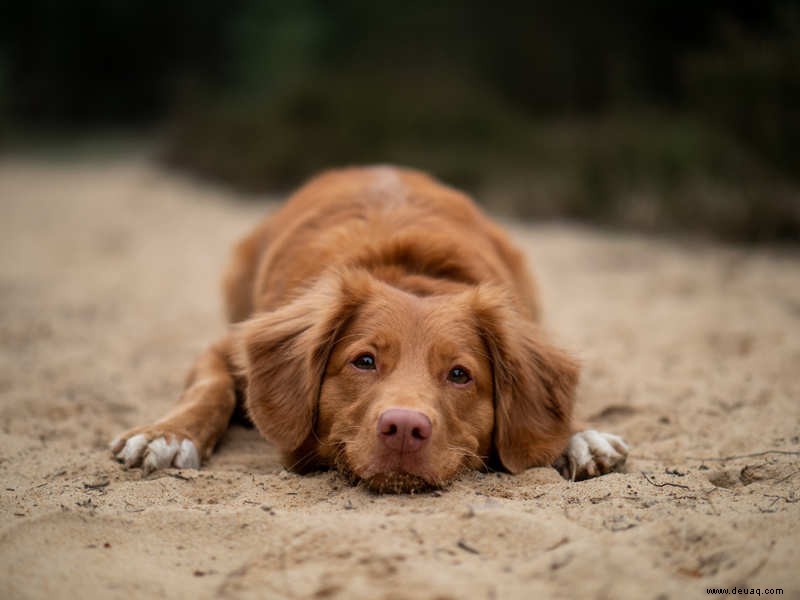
{"x":404,"y":430}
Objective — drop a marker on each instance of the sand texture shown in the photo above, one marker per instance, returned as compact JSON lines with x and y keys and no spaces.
{"x":109,"y":288}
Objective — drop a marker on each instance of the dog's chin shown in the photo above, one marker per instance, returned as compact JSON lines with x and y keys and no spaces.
{"x":397,"y":483}
{"x":389,"y":482}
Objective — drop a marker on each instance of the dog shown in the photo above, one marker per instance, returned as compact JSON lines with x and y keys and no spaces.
{"x":382,"y":325}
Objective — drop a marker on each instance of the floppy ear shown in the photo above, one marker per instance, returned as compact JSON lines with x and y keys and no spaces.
{"x":534,"y":385}
{"x":283,"y":354}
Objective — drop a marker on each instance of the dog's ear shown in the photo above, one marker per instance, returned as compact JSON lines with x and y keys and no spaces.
{"x":283,"y":355}
{"x":534,"y":384}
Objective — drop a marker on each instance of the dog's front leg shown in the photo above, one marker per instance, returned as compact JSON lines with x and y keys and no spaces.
{"x":188,"y":433}
{"x":591,"y":453}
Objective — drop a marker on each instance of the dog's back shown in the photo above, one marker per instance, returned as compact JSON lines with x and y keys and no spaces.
{"x":404,"y":226}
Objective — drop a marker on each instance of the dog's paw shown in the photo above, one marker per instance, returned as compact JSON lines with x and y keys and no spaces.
{"x":154,"y":449}
{"x":591,"y":453}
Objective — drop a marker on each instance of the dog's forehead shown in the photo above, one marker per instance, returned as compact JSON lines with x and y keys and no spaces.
{"x":420,"y":319}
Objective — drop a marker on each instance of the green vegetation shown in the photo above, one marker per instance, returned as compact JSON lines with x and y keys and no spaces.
{"x":645,"y":114}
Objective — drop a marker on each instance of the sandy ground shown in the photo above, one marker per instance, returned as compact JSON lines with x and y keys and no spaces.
{"x":108,"y":288}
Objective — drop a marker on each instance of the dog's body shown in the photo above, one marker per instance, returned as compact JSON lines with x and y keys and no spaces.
{"x":388,"y":328}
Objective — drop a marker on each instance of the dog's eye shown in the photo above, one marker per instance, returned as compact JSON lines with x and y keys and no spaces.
{"x":365,"y":362}
{"x":459,"y":375}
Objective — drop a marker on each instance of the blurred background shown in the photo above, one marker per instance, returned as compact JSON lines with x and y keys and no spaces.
{"x":658,"y":116}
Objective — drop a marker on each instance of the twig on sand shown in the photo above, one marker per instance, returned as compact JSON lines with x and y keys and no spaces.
{"x":735,"y":456}
{"x":789,"y":476}
{"x":786,"y":499}
{"x":130,"y":508}
{"x":96,"y":486}
{"x":466,"y":547}
{"x":665,"y":484}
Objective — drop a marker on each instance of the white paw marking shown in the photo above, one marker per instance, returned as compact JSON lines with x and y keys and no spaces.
{"x":131,"y":452}
{"x":117,"y":441}
{"x":187,"y":457}
{"x":159,"y":453}
{"x":591,"y":453}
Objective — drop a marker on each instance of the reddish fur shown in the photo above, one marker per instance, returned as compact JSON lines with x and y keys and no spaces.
{"x":365,"y":254}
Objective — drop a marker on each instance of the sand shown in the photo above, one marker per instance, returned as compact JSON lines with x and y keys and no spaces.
{"x":109,"y":287}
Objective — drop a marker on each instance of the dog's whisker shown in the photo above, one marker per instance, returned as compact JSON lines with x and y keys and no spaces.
{"x":467,"y":453}
{"x":301,"y":461}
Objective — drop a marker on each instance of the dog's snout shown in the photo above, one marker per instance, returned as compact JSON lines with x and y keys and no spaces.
{"x":404,"y":430}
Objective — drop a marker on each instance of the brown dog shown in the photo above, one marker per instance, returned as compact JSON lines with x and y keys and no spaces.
{"x":386,"y":327}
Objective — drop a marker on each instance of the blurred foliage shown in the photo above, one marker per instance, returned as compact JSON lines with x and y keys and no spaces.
{"x":751,"y":86}
{"x":645,"y":113}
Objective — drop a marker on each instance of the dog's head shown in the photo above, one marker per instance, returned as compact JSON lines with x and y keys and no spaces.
{"x":405,"y":391}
